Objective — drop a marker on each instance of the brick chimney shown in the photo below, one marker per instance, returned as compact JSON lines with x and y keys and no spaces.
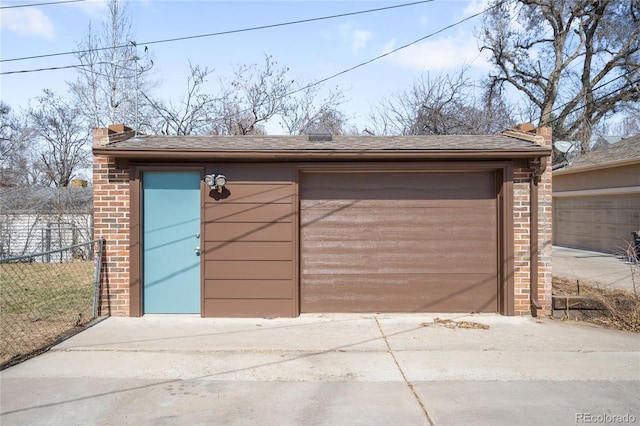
{"x":113,"y":133}
{"x":539,"y":135}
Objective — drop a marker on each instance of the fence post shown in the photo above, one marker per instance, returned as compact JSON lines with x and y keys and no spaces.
{"x":96,"y":278}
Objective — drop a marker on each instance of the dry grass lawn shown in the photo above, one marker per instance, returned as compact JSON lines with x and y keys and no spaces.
{"x":42,"y":302}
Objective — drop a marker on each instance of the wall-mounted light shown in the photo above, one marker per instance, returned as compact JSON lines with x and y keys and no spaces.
{"x":216,"y":181}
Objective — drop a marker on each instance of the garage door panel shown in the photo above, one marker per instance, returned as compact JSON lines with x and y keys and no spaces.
{"x":390,"y":204}
{"x":393,"y":293}
{"x":394,"y":186}
{"x":429,"y":244}
{"x":402,"y":257}
{"x":596,"y":222}
{"x":426,"y":215}
{"x":422,"y":224}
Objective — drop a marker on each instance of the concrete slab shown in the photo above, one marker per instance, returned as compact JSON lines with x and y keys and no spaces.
{"x":195,"y":402}
{"x":170,"y":332}
{"x":496,"y":403}
{"x":410,"y":333}
{"x":217,"y":365}
{"x":605,"y":270}
{"x":519,"y":365}
{"x":327,"y":369}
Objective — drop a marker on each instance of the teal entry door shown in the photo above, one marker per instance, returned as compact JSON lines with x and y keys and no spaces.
{"x":171,"y":241}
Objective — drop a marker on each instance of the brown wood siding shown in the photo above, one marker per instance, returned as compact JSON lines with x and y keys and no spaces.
{"x":611,"y":177}
{"x":398,"y":242}
{"x":602,"y":223}
{"x":249,"y":243}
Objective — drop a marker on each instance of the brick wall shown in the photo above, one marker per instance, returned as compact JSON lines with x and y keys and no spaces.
{"x":522,"y":231}
{"x":111,"y":222}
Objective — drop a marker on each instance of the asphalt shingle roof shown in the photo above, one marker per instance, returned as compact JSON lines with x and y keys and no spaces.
{"x":338,"y":143}
{"x":622,"y":151}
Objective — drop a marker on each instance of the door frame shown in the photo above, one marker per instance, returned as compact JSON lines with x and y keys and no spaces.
{"x":136,"y":231}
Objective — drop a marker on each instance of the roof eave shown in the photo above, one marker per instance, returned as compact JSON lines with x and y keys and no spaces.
{"x":307,"y":155}
{"x":590,"y":167}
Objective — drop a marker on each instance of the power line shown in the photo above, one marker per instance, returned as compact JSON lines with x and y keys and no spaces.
{"x":40,"y":69}
{"x":323,"y":80}
{"x":71,"y":66}
{"x":40,"y":4}
{"x":262,"y":27}
{"x":593,"y":90}
{"x":630,"y":84}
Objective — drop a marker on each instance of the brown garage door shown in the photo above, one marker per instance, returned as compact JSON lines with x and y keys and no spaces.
{"x":398,"y":242}
{"x":602,"y":223}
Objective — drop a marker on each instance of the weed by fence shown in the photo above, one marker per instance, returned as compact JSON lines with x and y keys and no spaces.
{"x":45,"y":297}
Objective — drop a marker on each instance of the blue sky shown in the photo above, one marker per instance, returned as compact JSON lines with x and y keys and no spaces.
{"x":311,"y":51}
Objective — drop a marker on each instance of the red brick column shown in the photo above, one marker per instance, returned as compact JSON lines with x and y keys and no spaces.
{"x":522,"y":233}
{"x":111,"y":222}
{"x":545,"y":227}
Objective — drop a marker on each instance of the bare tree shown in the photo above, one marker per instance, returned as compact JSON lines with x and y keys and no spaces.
{"x":111,"y":72}
{"x":307,"y":114}
{"x":63,"y":136}
{"x":194,"y":114}
{"x":13,"y":144}
{"x":253,"y":97}
{"x":577,"y":61}
{"x":244,"y":104}
{"x":440,"y":105}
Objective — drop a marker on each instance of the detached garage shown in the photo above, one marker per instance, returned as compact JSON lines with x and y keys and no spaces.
{"x":596,"y":198}
{"x":283,"y":225}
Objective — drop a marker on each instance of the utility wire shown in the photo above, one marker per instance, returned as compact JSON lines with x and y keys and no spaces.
{"x":41,"y":69}
{"x":262,"y":27}
{"x":593,"y":90}
{"x":323,"y":80}
{"x":40,"y":4}
{"x":630,"y":84}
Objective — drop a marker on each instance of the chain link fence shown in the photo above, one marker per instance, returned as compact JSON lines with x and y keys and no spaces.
{"x":45,"y":297}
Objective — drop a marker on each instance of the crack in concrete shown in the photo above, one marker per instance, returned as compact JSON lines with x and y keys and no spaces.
{"x":404,"y":377}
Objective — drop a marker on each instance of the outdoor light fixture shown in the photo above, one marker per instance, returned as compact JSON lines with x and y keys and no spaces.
{"x":216,"y":181}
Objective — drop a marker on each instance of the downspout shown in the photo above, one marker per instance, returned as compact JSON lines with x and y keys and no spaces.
{"x":539,"y":165}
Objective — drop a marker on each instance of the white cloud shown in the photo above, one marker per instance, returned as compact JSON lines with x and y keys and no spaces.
{"x":97,"y":9}
{"x":27,"y":22}
{"x":475,"y":6}
{"x":440,"y":55}
{"x":359,"y":39}
{"x":424,"y":20}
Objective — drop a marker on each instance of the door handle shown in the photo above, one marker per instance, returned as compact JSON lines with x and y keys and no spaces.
{"x":197,"y":250}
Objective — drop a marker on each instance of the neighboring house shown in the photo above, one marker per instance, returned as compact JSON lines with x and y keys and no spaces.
{"x":34,"y":220}
{"x":565,"y":151}
{"x":596,"y":198}
{"x":323,"y":224}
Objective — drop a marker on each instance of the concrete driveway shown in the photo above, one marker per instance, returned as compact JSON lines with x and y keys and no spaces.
{"x":604,"y":270}
{"x":333,"y":369}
